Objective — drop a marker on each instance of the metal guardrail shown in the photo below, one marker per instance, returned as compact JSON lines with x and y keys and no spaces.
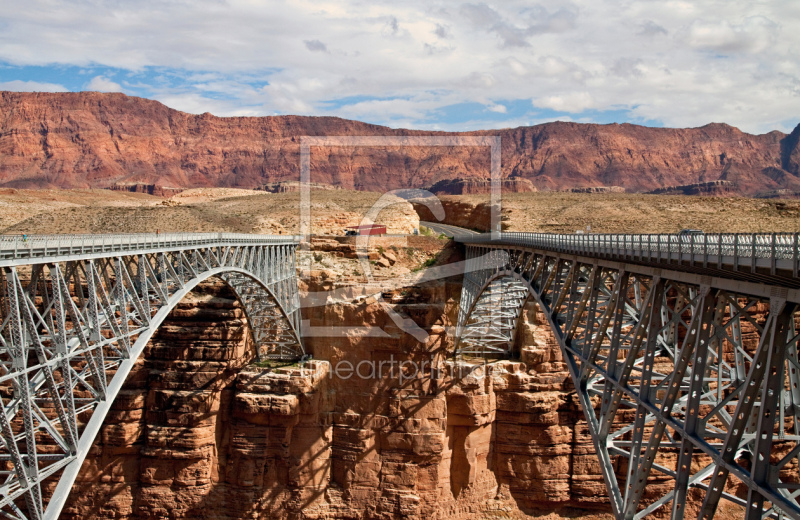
{"x":31,"y":247}
{"x":773,"y":252}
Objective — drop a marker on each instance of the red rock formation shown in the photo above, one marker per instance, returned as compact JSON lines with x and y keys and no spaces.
{"x":479,"y":186}
{"x":710,"y":188}
{"x":97,"y":140}
{"x":460,"y":212}
{"x":150,"y":189}
{"x":599,"y":189}
{"x":293,"y":186}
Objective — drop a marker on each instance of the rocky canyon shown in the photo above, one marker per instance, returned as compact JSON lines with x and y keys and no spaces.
{"x":94,"y":140}
{"x":201,"y":431}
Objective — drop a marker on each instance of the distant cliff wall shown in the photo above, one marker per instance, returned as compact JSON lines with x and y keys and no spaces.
{"x":89,"y":139}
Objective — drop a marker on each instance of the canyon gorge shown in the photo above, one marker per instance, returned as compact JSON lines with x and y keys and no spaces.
{"x":202,"y":430}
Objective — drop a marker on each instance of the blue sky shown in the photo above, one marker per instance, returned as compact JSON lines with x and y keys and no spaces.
{"x":446,"y":65}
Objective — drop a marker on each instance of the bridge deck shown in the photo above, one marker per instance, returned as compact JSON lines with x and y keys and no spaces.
{"x":28,"y":249}
{"x":768,"y":258}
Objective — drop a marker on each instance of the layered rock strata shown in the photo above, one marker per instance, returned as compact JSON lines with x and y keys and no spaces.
{"x":711,"y":188}
{"x":95,"y":140}
{"x":459,"y":212}
{"x":479,"y":186}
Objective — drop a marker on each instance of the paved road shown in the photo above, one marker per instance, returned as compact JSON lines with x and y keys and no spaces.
{"x":451,"y":231}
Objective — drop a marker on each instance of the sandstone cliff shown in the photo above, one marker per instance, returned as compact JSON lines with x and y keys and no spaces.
{"x":101,"y":140}
{"x":479,"y":186}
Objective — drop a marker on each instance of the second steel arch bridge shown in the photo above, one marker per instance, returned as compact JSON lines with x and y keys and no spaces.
{"x":683,"y":351}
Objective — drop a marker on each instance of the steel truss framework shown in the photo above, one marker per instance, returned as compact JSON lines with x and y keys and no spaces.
{"x":76,"y":319}
{"x":689,"y":384}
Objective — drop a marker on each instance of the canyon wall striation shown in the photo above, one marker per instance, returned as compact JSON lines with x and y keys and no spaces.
{"x":89,"y":139}
{"x":460,"y":212}
{"x":479,"y":186}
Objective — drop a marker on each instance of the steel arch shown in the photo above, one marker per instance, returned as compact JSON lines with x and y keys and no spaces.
{"x":498,"y":306}
{"x":661,"y":369}
{"x":73,"y":329}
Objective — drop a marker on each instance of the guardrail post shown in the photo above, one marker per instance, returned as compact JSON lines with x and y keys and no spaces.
{"x":736,"y":252}
{"x":705,"y":250}
{"x":773,"y":258}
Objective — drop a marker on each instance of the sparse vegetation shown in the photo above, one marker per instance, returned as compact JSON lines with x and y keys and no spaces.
{"x":274,"y":363}
{"x":427,"y":263}
{"x":428,"y":232}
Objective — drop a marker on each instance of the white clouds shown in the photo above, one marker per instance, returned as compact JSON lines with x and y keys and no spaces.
{"x":754,"y":34}
{"x":679,"y":62}
{"x":650,"y":28}
{"x":315,"y":46}
{"x":441,"y":31}
{"x":31,"y":86}
{"x":573,"y":102}
{"x":535,"y":20}
{"x":103,"y":84}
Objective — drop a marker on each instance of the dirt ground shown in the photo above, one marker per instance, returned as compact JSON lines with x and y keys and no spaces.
{"x":198,"y":210}
{"x":245,"y":211}
{"x":552,"y":212}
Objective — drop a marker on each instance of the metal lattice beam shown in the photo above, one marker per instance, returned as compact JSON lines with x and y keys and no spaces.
{"x":77,"y":311}
{"x":683,"y":377}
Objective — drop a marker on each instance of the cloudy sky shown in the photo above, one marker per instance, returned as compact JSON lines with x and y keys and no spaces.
{"x":426,"y":64}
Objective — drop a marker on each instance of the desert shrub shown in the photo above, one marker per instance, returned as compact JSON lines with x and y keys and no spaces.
{"x":427,"y":263}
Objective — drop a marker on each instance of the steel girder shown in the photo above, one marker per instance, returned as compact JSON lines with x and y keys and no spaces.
{"x":685,"y":384}
{"x":72,"y":330}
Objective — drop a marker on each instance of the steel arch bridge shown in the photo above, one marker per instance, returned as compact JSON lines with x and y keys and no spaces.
{"x":78,"y":310}
{"x":683,"y":351}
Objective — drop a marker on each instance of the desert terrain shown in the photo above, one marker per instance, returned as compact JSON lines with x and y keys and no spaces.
{"x":637,"y":213}
{"x":248,"y":211}
{"x":195,"y":210}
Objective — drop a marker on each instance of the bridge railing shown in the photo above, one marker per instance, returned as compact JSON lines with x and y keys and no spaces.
{"x":21,"y":247}
{"x":773,"y":251}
